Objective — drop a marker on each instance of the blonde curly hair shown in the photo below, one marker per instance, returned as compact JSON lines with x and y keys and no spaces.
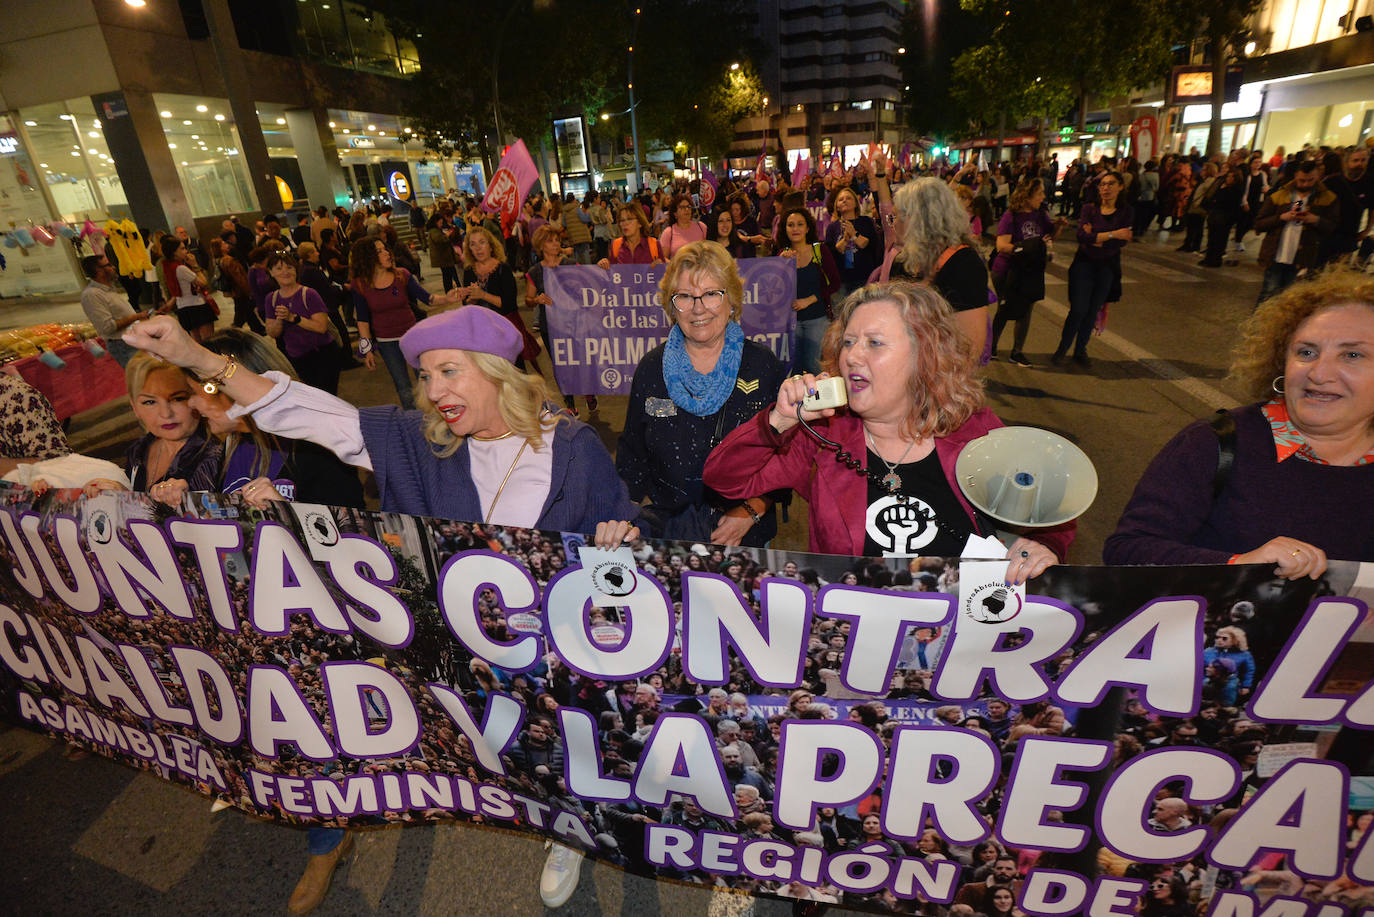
{"x":943,"y":391}
{"x":522,"y":398}
{"x":1262,"y":353}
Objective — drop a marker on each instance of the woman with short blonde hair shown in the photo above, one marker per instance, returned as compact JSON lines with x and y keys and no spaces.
{"x":690,"y":391}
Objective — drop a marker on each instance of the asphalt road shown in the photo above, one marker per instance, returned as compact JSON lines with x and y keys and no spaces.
{"x":94,"y":837}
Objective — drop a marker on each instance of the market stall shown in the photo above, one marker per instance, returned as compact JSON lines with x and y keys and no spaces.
{"x":67,"y":363}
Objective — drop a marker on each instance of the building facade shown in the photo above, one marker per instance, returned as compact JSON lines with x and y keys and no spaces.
{"x":174,"y":114}
{"x":833,"y":80}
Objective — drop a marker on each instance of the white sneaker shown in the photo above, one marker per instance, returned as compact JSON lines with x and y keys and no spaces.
{"x":559,"y":881}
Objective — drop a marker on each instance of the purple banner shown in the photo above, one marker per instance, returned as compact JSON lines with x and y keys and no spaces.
{"x":603,"y":322}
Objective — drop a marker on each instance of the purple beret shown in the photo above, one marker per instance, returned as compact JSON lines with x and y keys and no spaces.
{"x":475,"y":328}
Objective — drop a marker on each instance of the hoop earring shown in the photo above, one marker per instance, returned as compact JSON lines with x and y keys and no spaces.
{"x":1277,"y":385}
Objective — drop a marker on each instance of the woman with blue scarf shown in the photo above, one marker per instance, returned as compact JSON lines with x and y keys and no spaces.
{"x":687,"y":394}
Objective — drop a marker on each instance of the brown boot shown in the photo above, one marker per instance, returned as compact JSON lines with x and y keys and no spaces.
{"x":314,"y":883}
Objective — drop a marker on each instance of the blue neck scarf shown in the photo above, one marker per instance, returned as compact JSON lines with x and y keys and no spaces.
{"x":701,"y":393}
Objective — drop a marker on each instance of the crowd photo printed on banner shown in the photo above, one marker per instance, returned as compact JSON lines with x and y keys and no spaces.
{"x":808,"y":726}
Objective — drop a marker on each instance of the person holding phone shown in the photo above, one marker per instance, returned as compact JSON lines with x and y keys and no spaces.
{"x":1295,"y":220}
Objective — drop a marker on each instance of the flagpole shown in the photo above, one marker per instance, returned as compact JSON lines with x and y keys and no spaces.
{"x":634,"y":123}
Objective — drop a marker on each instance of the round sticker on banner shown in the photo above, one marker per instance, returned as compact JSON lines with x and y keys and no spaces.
{"x":614,"y":579}
{"x":992,"y":603}
{"x":608,"y":635}
{"x":320,"y":528}
{"x":610,"y":377}
{"x":523,"y":623}
{"x":400,"y":186}
{"x":708,"y":196}
{"x":100,"y":528}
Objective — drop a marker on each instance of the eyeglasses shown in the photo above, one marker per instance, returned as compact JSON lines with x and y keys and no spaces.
{"x":711,"y":299}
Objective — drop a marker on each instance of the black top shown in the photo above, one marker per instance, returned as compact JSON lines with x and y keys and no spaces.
{"x":931,"y":522}
{"x":810,"y":283}
{"x":314,"y":474}
{"x":962,"y":281}
{"x":197,"y":463}
{"x":856,"y":263}
{"x":314,"y":277}
{"x":500,"y":282}
{"x":536,"y":274}
{"x":663,"y":450}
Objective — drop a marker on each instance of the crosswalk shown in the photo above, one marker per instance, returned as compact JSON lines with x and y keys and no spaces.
{"x":1152,"y":264}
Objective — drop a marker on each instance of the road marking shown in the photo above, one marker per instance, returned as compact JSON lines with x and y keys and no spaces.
{"x":1213,"y":398}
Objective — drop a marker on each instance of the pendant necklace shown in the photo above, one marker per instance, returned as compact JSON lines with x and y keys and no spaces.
{"x":892,"y":480}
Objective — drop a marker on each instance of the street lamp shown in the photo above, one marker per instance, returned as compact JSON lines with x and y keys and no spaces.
{"x":630,"y":84}
{"x":735,"y":65}
{"x":608,"y":115}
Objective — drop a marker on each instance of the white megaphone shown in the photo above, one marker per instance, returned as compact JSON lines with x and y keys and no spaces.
{"x":1027,"y":477}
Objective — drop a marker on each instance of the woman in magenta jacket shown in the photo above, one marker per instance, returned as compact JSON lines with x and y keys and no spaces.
{"x":914,"y":403}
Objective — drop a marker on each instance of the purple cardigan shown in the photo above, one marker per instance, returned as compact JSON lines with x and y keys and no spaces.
{"x":1172,"y":518}
{"x":584,"y":489}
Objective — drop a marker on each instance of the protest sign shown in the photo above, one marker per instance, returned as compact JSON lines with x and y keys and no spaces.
{"x":792,"y":724}
{"x":603,"y":322}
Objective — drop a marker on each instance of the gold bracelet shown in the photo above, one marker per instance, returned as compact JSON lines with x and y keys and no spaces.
{"x":213,"y":383}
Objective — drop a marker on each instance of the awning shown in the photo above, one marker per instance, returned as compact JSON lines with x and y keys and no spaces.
{"x":979,"y":143}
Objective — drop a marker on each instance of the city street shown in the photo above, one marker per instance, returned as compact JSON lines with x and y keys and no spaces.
{"x":1161,"y":363}
{"x":93,"y":837}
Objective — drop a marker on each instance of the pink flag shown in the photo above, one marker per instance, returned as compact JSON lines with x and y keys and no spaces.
{"x":511,"y":185}
{"x":801,"y":171}
{"x":836,"y":164}
{"x":709,"y":187}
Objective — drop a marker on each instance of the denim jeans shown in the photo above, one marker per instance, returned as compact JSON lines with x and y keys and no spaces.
{"x":323,"y":840}
{"x":810,"y":334}
{"x":1277,"y":278}
{"x":390,"y":352}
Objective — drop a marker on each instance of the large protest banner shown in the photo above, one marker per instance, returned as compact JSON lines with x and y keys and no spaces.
{"x":603,"y":322}
{"x":799,"y":725}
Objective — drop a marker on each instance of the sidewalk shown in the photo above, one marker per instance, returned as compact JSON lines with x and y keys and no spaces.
{"x":18,"y":312}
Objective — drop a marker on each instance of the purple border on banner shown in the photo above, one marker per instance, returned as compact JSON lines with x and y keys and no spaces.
{"x":603,"y":322}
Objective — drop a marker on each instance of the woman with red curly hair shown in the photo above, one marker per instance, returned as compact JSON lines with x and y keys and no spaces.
{"x":913,"y":404}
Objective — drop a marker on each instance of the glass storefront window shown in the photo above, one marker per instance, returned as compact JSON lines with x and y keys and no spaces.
{"x":74,"y":161}
{"x":205,"y":146}
{"x":41,"y":269}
